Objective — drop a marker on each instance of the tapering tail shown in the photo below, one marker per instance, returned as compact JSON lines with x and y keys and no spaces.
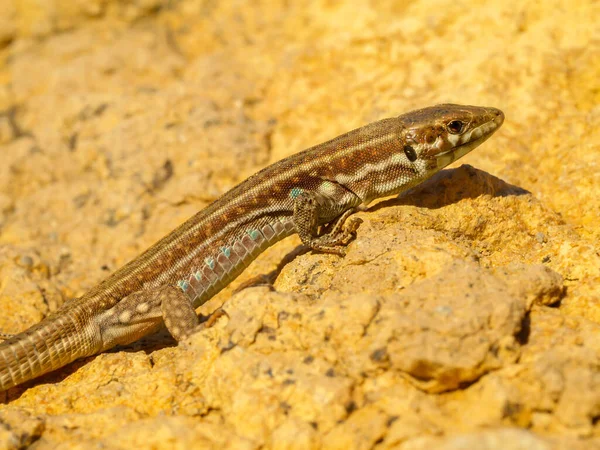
{"x":53,"y":343}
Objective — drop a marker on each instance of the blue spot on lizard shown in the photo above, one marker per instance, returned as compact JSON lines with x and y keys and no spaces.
{"x":295,"y":192}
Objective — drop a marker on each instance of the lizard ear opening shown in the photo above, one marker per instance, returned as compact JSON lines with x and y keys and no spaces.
{"x":410,"y":153}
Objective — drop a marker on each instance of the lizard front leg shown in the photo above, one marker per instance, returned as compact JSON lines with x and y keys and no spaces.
{"x":310,"y":209}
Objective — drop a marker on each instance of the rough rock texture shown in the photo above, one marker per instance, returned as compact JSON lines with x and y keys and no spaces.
{"x":466,"y":313}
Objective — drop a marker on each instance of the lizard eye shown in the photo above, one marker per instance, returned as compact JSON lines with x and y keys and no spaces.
{"x":455,"y":126}
{"x":410,"y":153}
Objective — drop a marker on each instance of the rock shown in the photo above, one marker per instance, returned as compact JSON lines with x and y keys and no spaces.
{"x":466,"y":313}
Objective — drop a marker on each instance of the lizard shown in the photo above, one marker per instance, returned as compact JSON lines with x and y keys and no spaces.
{"x":312,"y":193}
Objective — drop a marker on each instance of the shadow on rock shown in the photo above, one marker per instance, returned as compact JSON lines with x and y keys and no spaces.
{"x":452,"y":185}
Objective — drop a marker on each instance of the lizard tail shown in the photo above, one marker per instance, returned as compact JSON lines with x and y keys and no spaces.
{"x":53,"y":343}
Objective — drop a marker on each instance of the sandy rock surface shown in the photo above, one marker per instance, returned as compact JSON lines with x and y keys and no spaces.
{"x":465,"y":315}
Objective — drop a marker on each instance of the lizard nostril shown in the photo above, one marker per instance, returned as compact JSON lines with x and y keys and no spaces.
{"x":498,"y":116}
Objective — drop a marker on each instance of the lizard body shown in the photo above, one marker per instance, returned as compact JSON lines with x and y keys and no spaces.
{"x":311,"y":193}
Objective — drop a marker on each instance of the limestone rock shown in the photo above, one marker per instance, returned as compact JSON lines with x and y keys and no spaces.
{"x":466,"y":313}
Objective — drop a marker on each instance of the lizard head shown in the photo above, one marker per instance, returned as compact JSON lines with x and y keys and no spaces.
{"x":441,"y":134}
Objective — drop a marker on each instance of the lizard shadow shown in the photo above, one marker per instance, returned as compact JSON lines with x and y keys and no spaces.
{"x":451,"y":186}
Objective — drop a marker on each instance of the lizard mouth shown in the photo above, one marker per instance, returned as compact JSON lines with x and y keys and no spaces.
{"x":484,"y":131}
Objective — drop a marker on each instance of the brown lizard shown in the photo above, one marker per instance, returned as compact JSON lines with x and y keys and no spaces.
{"x":320,"y":186}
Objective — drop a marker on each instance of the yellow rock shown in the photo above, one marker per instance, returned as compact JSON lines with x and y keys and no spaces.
{"x":466,"y":313}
